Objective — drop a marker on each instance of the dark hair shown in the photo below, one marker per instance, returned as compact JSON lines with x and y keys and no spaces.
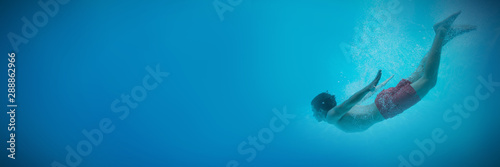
{"x":321,"y":104}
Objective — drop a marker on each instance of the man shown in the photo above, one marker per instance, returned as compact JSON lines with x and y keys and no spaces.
{"x":351,"y":117}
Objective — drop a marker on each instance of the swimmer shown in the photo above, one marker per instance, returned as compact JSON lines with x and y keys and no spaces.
{"x":350,"y":116}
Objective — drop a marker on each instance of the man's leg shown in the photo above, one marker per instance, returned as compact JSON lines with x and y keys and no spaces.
{"x":450,"y":34}
{"x":417,"y":74}
{"x":430,"y":70}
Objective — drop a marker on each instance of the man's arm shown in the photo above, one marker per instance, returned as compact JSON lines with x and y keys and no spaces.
{"x":343,"y":108}
{"x":381,"y":85}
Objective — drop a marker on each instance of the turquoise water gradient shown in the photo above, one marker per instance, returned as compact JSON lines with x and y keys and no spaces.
{"x":226,"y":77}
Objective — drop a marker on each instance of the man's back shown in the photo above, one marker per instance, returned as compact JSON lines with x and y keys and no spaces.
{"x":359,"y":118}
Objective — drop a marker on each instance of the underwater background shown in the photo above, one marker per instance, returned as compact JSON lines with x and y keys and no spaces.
{"x":241,"y":76}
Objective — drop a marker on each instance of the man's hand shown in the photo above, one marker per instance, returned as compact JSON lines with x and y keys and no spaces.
{"x":343,"y":108}
{"x":375,"y":81}
{"x":372,"y":91}
{"x":384,"y":83}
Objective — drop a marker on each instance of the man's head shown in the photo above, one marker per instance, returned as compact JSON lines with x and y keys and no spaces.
{"x":321,"y":104}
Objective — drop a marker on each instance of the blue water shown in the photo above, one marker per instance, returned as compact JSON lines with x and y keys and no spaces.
{"x":228,"y":79}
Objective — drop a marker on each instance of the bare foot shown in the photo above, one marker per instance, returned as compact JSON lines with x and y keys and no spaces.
{"x":461,"y":29}
{"x":457,"y":30}
{"x":446,"y":23}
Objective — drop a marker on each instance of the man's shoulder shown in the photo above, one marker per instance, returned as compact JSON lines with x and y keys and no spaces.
{"x":335,"y":114}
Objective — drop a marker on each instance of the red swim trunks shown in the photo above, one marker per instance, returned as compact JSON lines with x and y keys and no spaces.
{"x":393,"y":101}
